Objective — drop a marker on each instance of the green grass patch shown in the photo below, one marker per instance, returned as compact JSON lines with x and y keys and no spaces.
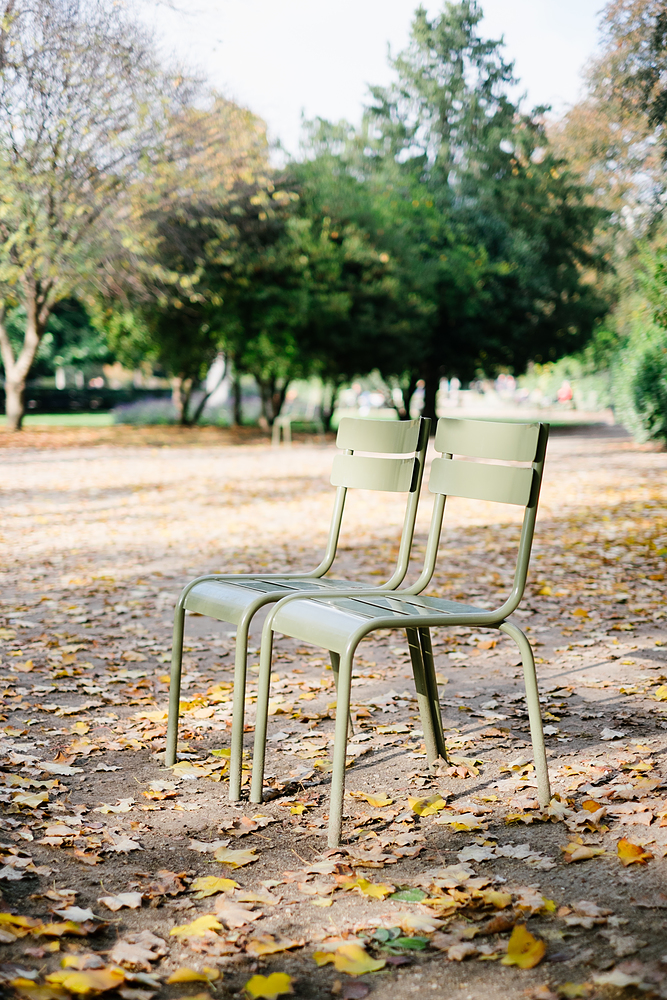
{"x":65,"y":420}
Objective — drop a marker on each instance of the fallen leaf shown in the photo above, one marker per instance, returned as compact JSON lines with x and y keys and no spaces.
{"x":235,"y":859}
{"x":198,"y":928}
{"x":209,"y":885}
{"x":427,"y":806}
{"x":269,"y":987}
{"x":352,"y":959}
{"x":92,"y":981}
{"x":523,"y":949}
{"x":581,"y":852}
{"x":186,"y":975}
{"x":630,"y":853}
{"x":235,"y":914}
{"x":375,"y":890}
{"x":377,"y":801}
{"x":267,"y":944}
{"x":131,"y":900}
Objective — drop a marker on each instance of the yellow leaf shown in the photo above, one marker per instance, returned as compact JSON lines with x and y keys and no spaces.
{"x":421,"y":923}
{"x":377,"y":801}
{"x":267,"y":944}
{"x":89,"y":981}
{"x":581,"y":852}
{"x":492,"y":897}
{"x":545,"y":591}
{"x":322,"y":901}
{"x":578,"y":613}
{"x":660,"y":694}
{"x":235,"y":859}
{"x":185,"y":975}
{"x":208,"y":885}
{"x":630,"y":853}
{"x":269,"y":987}
{"x":81,"y":728}
{"x":427,"y":806}
{"x":351,"y":959}
{"x":460,"y":821}
{"x":198,"y":927}
{"x":375,"y":890}
{"x":298,"y":808}
{"x":523,"y":949}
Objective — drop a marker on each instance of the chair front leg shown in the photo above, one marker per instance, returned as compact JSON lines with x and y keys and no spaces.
{"x":238,"y":711}
{"x":534,"y":714}
{"x":175,"y":684}
{"x":340,"y":749}
{"x":261,"y":717}
{"x":432,"y":692}
{"x":335,"y":669}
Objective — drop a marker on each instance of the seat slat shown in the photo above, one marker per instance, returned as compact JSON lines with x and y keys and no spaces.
{"x":501,"y":440}
{"x":499,"y":483}
{"x":363,"y":472}
{"x":396,"y":437}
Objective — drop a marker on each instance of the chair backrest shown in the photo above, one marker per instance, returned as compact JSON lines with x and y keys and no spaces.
{"x":361,"y":470}
{"x":491,"y":443}
{"x":490,"y":440}
{"x":382,"y":455}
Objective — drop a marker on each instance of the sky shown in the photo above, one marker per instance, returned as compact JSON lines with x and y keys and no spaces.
{"x":285,"y":58}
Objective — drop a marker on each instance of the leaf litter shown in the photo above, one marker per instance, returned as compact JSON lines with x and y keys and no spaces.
{"x":83,"y":790}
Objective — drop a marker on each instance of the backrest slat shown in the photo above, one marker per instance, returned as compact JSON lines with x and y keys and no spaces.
{"x":504,"y":442}
{"x":365,"y":472}
{"x":474,"y":481}
{"x":395,"y":437}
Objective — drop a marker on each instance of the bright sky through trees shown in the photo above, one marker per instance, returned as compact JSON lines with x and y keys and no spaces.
{"x":280,"y":57}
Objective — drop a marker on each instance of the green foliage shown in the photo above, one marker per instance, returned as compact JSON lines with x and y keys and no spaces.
{"x":70,"y":340}
{"x":640,"y":379}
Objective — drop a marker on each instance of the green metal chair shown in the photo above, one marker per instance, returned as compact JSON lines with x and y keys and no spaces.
{"x":338,"y":622}
{"x":378,"y":455}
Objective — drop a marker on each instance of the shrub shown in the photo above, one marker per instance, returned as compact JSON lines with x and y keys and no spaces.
{"x":640,"y":382}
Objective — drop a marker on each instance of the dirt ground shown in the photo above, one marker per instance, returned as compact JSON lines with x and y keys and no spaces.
{"x":444,"y":878}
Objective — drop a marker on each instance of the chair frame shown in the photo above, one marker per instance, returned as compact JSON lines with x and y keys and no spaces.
{"x":263,"y":599}
{"x":417,"y":628}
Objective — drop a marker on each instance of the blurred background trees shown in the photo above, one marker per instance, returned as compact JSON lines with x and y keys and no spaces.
{"x":450,"y":233}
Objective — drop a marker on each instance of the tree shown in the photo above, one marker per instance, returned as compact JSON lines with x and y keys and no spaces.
{"x":485,"y":231}
{"x":84,"y":108}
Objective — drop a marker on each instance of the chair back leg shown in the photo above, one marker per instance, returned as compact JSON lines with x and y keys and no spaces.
{"x":423,"y":700}
{"x":533,"y":702}
{"x":175,"y":685}
{"x":262,"y":712}
{"x":432,"y":693}
{"x":238,"y":711}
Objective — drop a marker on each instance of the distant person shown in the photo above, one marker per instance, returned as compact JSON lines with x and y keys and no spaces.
{"x":565,"y":394}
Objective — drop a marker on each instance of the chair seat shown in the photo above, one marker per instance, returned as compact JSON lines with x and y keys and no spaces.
{"x":330,"y":623}
{"x":226,"y":601}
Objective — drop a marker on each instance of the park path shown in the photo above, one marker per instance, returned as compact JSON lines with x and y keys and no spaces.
{"x":97,"y":538}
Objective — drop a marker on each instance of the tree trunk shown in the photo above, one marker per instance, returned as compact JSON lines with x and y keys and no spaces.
{"x":14,"y":404}
{"x":177,"y":397}
{"x":16,"y":369}
{"x":237,"y":413}
{"x":407,"y":393}
{"x":431,"y":386}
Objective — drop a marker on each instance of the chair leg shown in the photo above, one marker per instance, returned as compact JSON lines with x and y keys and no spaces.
{"x":432,"y":691}
{"x":423,"y":700}
{"x":264,"y":684}
{"x":175,"y":685}
{"x":340,"y":751}
{"x":335,"y":667}
{"x":238,"y":712}
{"x":534,"y":714}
